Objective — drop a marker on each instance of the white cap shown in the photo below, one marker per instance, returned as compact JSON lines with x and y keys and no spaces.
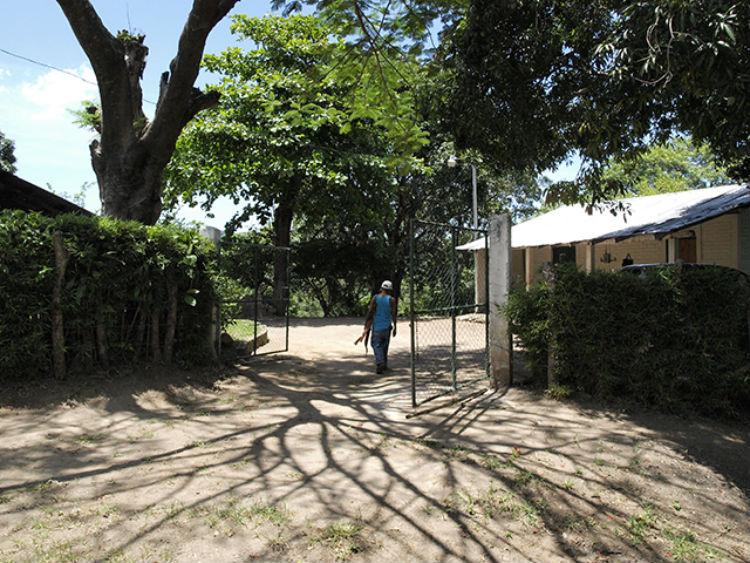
{"x":387,"y":285}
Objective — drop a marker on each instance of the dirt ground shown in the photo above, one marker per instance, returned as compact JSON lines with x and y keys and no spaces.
{"x":308,"y":456}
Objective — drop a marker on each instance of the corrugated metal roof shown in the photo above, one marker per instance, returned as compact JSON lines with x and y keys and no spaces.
{"x":16,"y":193}
{"x":656,"y":215}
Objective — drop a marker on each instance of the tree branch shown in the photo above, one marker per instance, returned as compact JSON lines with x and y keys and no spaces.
{"x":178,"y":102}
{"x":102,"y":49}
{"x":107,"y":56}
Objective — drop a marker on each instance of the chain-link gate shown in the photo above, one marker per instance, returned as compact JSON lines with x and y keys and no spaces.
{"x":258,"y":322}
{"x":448,"y":296}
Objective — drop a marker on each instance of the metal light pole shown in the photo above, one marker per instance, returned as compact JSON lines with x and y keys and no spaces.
{"x":452,"y":163}
{"x":474,"y":196}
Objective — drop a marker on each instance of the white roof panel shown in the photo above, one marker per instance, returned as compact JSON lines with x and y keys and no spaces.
{"x":656,"y":215}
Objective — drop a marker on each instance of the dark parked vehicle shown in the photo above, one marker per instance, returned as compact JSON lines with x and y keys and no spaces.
{"x":643,"y":269}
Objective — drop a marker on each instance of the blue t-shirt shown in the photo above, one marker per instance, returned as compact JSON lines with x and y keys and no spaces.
{"x":382,"y":320}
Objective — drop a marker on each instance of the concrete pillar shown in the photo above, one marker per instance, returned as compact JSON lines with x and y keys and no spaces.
{"x":528,"y":267}
{"x":590,"y":257}
{"x":501,"y":349}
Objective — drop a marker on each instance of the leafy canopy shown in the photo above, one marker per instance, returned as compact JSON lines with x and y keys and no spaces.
{"x":674,"y":166}
{"x":294,"y":120}
{"x":7,"y":154}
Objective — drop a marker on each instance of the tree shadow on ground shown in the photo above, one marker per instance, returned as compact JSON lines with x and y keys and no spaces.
{"x":322,"y":439}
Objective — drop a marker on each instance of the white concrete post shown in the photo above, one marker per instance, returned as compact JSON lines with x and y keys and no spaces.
{"x":501,"y":349}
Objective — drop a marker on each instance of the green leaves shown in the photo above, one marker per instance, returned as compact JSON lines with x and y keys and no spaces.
{"x":298,"y":114}
{"x":7,"y":156}
{"x":121,"y":271}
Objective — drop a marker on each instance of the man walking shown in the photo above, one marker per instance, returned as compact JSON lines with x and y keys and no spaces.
{"x":381,"y":317}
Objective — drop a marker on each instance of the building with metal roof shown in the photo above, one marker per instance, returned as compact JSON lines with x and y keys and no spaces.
{"x":16,"y":193}
{"x":706,"y":226}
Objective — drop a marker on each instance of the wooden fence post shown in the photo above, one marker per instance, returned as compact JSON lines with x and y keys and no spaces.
{"x":58,"y":326}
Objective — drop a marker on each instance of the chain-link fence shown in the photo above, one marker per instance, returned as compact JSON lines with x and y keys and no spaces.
{"x":257,"y":323}
{"x":447,"y":297}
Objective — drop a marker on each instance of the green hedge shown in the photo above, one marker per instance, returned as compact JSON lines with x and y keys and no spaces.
{"x":118,"y":278}
{"x":676,"y":339}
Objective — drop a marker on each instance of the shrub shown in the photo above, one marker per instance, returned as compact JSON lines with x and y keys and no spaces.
{"x":122,"y":281}
{"x":527,"y":318}
{"x":674,"y":338}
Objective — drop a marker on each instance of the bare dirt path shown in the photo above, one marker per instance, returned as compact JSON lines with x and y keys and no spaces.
{"x":308,"y":456}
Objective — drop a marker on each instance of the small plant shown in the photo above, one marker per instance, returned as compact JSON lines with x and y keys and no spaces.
{"x":558,"y":392}
{"x":344,"y":539}
{"x":640,"y":524}
{"x":429,"y":443}
{"x":89,"y":439}
{"x":491,"y":462}
{"x":269,"y":513}
{"x":523,"y":477}
{"x":686,"y":547}
{"x":458,"y":453}
{"x":634,"y":465}
{"x":568,"y":485}
{"x":231,"y":513}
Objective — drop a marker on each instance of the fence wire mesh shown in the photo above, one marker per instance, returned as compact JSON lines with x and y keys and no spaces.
{"x":447,"y":292}
{"x":258,"y":322}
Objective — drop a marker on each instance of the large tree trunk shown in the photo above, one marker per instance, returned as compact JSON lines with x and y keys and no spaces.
{"x":282,"y":226}
{"x":132,"y":153}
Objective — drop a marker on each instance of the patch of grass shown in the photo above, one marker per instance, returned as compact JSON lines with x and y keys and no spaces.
{"x":568,"y":485}
{"x":146,"y":434}
{"x":198,"y":444}
{"x":107,"y":510}
{"x":640,"y":524}
{"x":635,"y":466}
{"x":599,"y":462}
{"x":89,"y":439}
{"x":233,"y":514}
{"x":5,"y":499}
{"x":686,"y":547}
{"x":429,"y":443}
{"x":577,"y":523}
{"x":494,"y":501}
{"x":243,"y":329}
{"x":558,"y":392}
{"x":491,"y":462}
{"x":269,"y":513}
{"x":459,"y":453}
{"x":523,"y":477}
{"x":48,"y":489}
{"x":343,"y":538}
{"x":57,"y":552}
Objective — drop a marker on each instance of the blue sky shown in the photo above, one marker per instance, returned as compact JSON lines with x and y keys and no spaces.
{"x":35,"y":101}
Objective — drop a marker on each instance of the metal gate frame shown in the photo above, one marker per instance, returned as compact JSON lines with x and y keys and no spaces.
{"x":453,"y":310}
{"x":256,"y":298}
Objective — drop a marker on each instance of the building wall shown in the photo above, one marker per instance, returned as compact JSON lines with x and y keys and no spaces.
{"x":480,"y":276}
{"x":743,"y":240}
{"x":643,"y":250}
{"x":535,"y":260}
{"x":518,"y":267}
{"x":717,"y":241}
{"x":724,"y":241}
